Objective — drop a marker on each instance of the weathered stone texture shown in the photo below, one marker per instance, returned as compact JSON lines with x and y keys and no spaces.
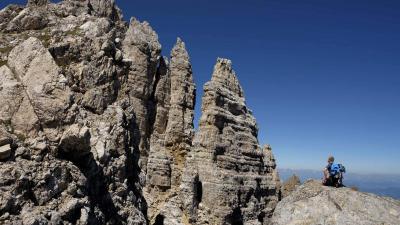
{"x":230,"y":179}
{"x":142,"y":49}
{"x":45,"y":85}
{"x":312,"y":203}
{"x":172,"y":137}
{"x":38,"y":2}
{"x":96,"y":126}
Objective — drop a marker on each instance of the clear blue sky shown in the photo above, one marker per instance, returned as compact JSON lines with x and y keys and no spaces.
{"x":322,"y":77}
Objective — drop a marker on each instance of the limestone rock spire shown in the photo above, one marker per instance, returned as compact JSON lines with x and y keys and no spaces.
{"x":105,"y":8}
{"x":225,"y":76}
{"x":142,"y":49}
{"x":170,"y":146}
{"x":179,"y":51}
{"x":183,"y":95}
{"x":227,"y":162}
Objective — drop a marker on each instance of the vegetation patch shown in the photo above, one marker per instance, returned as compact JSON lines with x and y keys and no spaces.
{"x":354,"y":188}
{"x":45,"y":38}
{"x":2,"y":63}
{"x":74,"y":32}
{"x":6,"y":50}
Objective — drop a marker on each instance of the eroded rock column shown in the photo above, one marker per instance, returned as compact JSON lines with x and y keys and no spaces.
{"x":142,"y":49}
{"x":171,"y":139}
{"x":229,"y":179}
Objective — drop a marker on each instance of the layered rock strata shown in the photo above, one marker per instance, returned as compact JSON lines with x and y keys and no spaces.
{"x":171,"y":139}
{"x":96,"y":126}
{"x":229,"y":178}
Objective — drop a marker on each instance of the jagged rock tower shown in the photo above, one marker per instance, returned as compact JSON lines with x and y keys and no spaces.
{"x":229,"y":179}
{"x":171,"y":140}
{"x":96,"y":126}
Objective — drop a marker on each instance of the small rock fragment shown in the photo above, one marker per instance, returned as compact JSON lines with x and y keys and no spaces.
{"x":5,"y":151}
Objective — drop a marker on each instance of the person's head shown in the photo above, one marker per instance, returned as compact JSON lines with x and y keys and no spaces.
{"x":331,"y":159}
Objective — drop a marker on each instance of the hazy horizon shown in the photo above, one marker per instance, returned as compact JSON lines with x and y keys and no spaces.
{"x":322,"y":77}
{"x":316,"y":170}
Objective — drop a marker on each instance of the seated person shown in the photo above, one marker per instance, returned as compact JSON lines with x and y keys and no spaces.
{"x":333,"y":173}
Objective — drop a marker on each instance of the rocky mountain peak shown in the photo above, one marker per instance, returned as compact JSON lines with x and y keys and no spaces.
{"x":142,"y":35}
{"x":104,"y":8}
{"x":179,"y":51}
{"x":225,"y":77}
{"x":37,"y":2}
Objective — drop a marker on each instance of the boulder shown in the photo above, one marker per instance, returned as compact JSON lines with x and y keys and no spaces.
{"x":5,"y":151}
{"x":38,"y":72}
{"x":16,"y":111}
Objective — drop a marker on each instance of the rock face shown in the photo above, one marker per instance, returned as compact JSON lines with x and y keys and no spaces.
{"x":172,"y":137}
{"x":96,"y":126}
{"x":229,"y":178}
{"x":37,"y":2}
{"x":313,"y":203}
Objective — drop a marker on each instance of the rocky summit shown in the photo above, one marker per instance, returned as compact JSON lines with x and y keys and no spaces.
{"x":96,"y":127}
{"x":312,"y":203}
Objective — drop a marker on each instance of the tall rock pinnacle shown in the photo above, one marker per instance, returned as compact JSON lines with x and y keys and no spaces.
{"x":142,"y":48}
{"x":229,"y":176}
{"x":170,"y":146}
{"x":183,"y":90}
{"x":225,"y":76}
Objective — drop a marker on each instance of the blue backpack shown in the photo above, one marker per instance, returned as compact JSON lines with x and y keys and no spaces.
{"x":336,"y":169}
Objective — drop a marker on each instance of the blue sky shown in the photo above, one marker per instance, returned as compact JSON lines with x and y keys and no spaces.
{"x":322,"y":77}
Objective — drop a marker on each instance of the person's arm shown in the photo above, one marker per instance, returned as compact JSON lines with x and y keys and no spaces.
{"x":326,"y":171}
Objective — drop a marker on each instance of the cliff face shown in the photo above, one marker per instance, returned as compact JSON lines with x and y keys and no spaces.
{"x":96,"y":126}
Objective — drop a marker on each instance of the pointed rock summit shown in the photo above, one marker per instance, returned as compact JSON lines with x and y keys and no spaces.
{"x":225,"y":76}
{"x":37,"y":2}
{"x":230,"y":179}
{"x":183,"y":91}
{"x":170,"y":147}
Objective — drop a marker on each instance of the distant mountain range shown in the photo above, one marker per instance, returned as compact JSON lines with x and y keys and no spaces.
{"x":380,"y":184}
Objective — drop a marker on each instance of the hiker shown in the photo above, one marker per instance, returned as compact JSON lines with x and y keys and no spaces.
{"x":333,"y":173}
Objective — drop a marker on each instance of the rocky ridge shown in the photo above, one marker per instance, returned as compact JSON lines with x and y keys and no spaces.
{"x":96,"y":126}
{"x":312,"y":203}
